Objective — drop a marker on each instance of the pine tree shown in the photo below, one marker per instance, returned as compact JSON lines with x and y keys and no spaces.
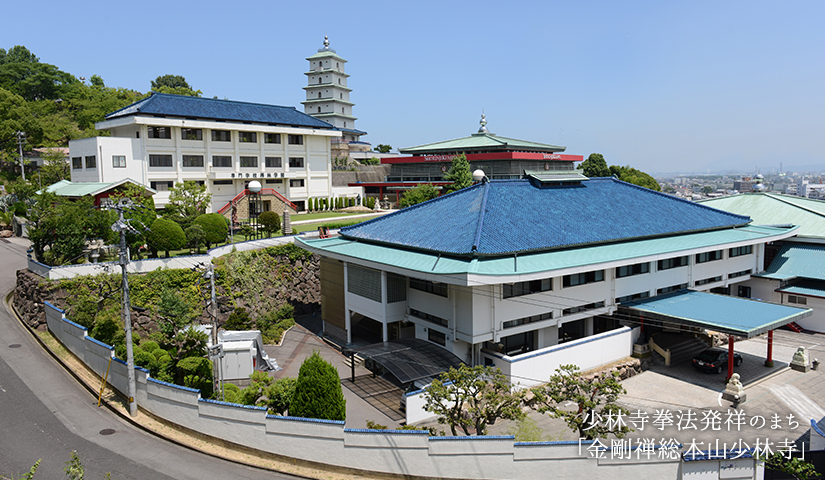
{"x":318,"y":392}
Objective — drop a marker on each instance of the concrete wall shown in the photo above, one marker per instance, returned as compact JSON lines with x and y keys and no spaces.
{"x":535,"y":368}
{"x":329,"y":443}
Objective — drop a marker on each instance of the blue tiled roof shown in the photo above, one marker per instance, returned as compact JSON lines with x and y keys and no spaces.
{"x":509,"y":216}
{"x":214,"y":109}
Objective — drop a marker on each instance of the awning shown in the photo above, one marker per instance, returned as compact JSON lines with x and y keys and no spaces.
{"x":409,"y":359}
{"x":721,"y":313}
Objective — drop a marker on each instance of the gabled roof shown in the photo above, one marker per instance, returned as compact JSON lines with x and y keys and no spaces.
{"x":65,"y":188}
{"x":482,"y":141}
{"x":503,"y":217}
{"x":214,"y":109}
{"x":797,"y":260}
{"x":776,"y":209}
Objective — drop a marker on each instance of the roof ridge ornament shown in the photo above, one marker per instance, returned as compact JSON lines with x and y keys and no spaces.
{"x":326,"y":46}
{"x":483,"y":123}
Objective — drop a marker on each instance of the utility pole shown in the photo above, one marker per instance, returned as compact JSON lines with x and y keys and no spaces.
{"x":21,"y":137}
{"x":216,"y":351}
{"x":122,"y":227}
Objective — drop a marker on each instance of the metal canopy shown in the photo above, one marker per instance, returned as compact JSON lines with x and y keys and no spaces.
{"x":731,"y":315}
{"x":409,"y":359}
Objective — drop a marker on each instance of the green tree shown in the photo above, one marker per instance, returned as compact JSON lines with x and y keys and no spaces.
{"x":214,"y":226}
{"x":239,"y":319}
{"x":187,"y":200}
{"x":165,"y":235}
{"x":64,"y":226}
{"x":318,"y":391}
{"x":55,"y":167}
{"x":795,"y":467}
{"x":171,"y":81}
{"x":636,"y":177}
{"x":593,"y":398}
{"x":195,"y":236}
{"x":707,"y":189}
{"x":270,"y":221}
{"x":472,"y":398}
{"x":418,"y":194}
{"x":383,"y":148}
{"x":459,"y":173}
{"x":595,"y":166}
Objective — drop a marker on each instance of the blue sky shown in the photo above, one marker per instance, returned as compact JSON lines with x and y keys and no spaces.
{"x":661,"y":86}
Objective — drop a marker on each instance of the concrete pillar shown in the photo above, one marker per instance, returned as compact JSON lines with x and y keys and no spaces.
{"x":347,"y":317}
{"x":384,"y":333}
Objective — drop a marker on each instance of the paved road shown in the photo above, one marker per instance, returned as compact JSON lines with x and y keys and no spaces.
{"x":45,"y":414}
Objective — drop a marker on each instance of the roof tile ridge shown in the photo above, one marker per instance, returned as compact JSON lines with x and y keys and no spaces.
{"x":796,"y":205}
{"x":671,"y":197}
{"x":136,"y":105}
{"x":223,"y":100}
{"x":481,"y":210}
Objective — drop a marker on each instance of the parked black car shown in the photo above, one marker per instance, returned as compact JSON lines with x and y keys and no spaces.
{"x":715,"y":360}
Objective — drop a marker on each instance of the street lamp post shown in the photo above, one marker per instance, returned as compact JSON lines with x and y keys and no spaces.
{"x":254,"y":201}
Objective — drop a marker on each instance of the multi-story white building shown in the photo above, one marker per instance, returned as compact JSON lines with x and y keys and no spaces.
{"x":507,"y":271}
{"x":166,"y":139}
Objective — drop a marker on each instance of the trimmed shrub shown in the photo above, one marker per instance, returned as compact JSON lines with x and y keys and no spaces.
{"x":318,"y":391}
{"x":238,"y":320}
{"x":214,"y":226}
{"x":165,"y":235}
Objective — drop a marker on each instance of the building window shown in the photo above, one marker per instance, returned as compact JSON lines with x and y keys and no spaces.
{"x":249,"y":162}
{"x":221,"y":161}
{"x":739,"y":251}
{"x":437,"y":337}
{"x":274,"y":180}
{"x":91,"y":161}
{"x":319,"y":109}
{"x":525,"y":288}
{"x":797,"y":299}
{"x":272,"y":138}
{"x":582,"y":308}
{"x":273,"y":162}
{"x":160,"y":160}
{"x":709,"y":256}
{"x":77,"y":163}
{"x":430,"y":318}
{"x":583,"y":278}
{"x":191,"y":134}
{"x":630,"y":270}
{"x":162,"y":186}
{"x":674,"y":262}
{"x":744,"y":292}
{"x":221,"y":136}
{"x":296,"y":162}
{"x":706,"y":281}
{"x":159,"y":132}
{"x":439,"y":289}
{"x":248,"y":137}
{"x":119,"y":161}
{"x":671,"y":288}
{"x":630,"y":298}
{"x":295,"y":139}
{"x":740,"y":274}
{"x":192,"y":161}
{"x":364,"y":282}
{"x":296,"y":182}
{"x":222,"y":182}
{"x":525,"y":320}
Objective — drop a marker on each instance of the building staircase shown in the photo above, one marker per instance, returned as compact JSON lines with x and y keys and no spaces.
{"x":678,"y":347}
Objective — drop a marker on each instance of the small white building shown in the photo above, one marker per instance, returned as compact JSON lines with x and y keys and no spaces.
{"x":166,"y":139}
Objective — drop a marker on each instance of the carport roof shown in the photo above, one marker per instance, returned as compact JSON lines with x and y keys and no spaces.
{"x":409,"y":359}
{"x":721,"y":313}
